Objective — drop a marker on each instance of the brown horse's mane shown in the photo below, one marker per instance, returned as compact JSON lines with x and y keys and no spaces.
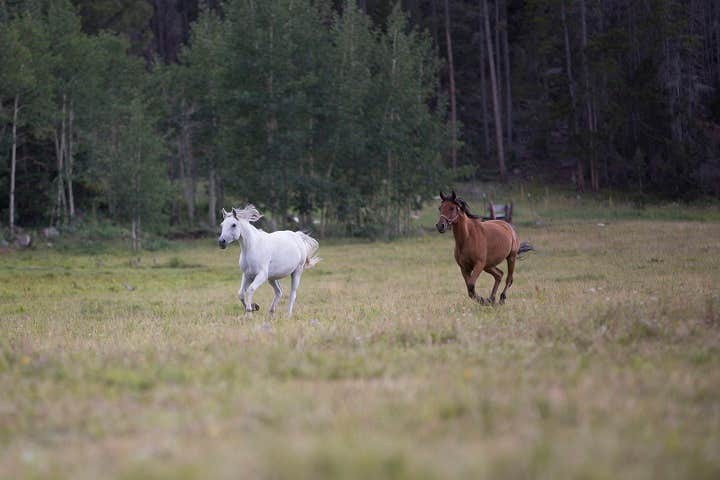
{"x":459,"y":202}
{"x":464,"y":207}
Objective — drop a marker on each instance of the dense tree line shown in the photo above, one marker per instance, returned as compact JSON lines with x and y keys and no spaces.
{"x":346,"y":113}
{"x":603,"y":93}
{"x":290,"y":104}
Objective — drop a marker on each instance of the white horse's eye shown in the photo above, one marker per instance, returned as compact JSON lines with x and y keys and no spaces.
{"x":234,"y":225}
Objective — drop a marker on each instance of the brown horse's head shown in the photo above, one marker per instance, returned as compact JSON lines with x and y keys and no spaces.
{"x":449,"y":211}
{"x":451,"y":208}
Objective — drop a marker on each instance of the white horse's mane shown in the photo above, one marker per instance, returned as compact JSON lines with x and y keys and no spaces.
{"x":249,"y":213}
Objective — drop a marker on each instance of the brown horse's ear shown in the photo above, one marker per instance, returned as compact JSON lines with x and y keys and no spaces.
{"x":453,"y":196}
{"x":442,"y":196}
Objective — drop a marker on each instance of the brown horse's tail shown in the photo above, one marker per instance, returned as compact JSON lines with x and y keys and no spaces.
{"x":525,"y":247}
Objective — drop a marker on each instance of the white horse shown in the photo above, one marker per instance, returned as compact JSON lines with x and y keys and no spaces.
{"x":266,"y":256}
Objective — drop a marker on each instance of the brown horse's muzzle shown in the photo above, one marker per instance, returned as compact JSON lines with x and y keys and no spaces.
{"x":441,"y":226}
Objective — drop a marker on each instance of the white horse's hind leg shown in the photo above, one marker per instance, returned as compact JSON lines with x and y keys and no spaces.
{"x":259,"y":279}
{"x":294,"y":284}
{"x":278,"y":293}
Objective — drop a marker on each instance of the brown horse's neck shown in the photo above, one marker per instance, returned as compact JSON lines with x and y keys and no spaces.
{"x":460,"y":229}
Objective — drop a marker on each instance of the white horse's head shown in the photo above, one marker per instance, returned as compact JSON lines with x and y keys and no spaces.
{"x":234,"y":221}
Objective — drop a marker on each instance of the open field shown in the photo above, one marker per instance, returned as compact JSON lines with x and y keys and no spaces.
{"x":604,"y":363}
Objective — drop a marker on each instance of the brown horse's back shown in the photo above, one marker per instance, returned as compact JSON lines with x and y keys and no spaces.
{"x":502,"y":241}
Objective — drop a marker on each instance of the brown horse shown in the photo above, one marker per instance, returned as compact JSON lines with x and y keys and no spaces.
{"x":480,"y":246}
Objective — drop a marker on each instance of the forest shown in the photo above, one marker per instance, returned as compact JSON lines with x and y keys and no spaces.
{"x":153,"y":114}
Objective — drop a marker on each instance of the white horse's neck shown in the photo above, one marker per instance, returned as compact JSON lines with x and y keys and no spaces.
{"x":247,"y":234}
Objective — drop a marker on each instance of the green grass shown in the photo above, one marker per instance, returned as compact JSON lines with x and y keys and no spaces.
{"x":604,"y":363}
{"x":540,"y":205}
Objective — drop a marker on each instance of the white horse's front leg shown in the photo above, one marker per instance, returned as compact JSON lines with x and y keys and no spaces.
{"x":243,"y":286}
{"x":278,"y":293}
{"x":295,"y":283}
{"x":259,"y":279}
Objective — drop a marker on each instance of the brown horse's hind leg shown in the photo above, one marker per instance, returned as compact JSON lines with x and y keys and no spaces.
{"x":497,"y":275}
{"x":509,"y":279}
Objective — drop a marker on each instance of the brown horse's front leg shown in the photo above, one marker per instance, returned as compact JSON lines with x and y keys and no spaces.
{"x":470,"y":279}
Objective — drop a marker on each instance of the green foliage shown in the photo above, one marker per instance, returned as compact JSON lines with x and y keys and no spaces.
{"x":287,"y":104}
{"x":83,"y":98}
{"x":328,"y":120}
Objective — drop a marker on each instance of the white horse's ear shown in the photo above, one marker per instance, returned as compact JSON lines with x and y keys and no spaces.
{"x":225,"y":213}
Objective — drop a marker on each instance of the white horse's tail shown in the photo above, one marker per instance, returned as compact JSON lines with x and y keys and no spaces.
{"x":312,"y":246}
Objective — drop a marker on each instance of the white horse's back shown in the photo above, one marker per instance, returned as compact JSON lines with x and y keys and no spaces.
{"x":290,"y":251}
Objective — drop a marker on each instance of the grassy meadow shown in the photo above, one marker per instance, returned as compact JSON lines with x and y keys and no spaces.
{"x":604,"y":363}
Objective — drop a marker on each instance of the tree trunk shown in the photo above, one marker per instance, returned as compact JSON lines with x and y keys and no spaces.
{"x":212,"y":196}
{"x":187,"y":170}
{"x":135,"y":231}
{"x":69,"y":163}
{"x":389,"y":191}
{"x":111,"y":197}
{"x":483,"y":87}
{"x":588,"y":98}
{"x":508,"y":88}
{"x":498,"y":56}
{"x":495,"y":97}
{"x":594,"y":170}
{"x":60,"y":150}
{"x":435,"y":34}
{"x":451,"y":73}
{"x":136,"y":208}
{"x":13,"y":164}
{"x":569,"y":71}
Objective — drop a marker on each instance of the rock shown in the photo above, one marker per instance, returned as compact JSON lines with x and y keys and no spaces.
{"x":50,"y":232}
{"x":23,"y":240}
